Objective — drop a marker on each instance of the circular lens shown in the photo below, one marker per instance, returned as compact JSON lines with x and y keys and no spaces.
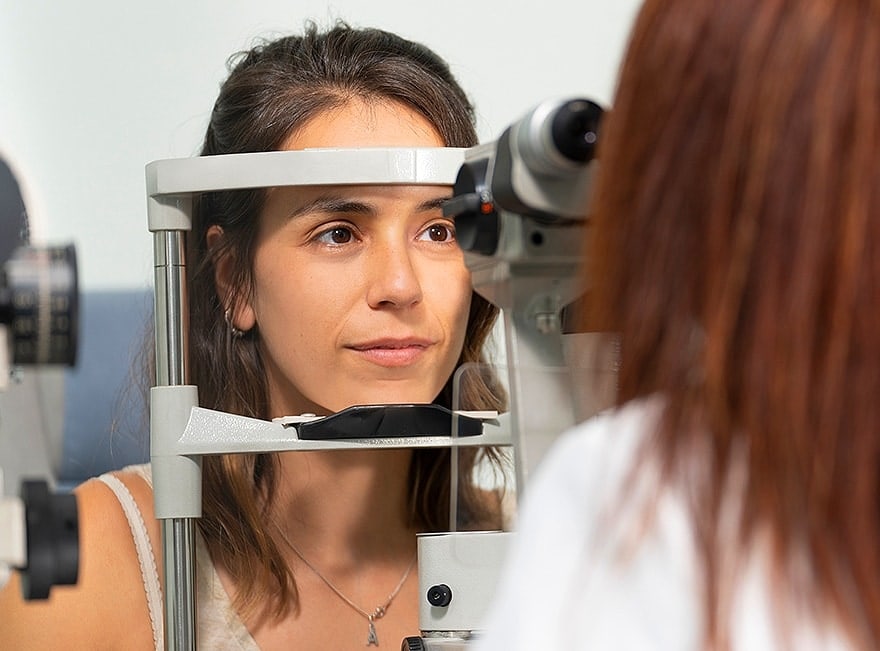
{"x":575,"y":129}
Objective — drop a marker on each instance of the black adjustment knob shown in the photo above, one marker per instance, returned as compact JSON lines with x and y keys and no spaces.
{"x":52,"y":539}
{"x":412,"y":644}
{"x":440,"y":595}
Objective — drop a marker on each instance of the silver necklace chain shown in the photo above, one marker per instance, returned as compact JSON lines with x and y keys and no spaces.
{"x":378,"y":612}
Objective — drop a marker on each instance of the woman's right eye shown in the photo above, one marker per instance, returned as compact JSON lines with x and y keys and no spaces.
{"x":335,"y":235}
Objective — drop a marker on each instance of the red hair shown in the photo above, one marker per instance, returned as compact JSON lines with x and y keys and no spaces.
{"x":736,"y":252}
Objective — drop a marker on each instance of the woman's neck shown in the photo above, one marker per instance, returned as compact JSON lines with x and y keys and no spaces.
{"x":346,"y":506}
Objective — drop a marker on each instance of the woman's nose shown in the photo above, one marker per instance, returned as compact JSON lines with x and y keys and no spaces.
{"x":393,"y":277}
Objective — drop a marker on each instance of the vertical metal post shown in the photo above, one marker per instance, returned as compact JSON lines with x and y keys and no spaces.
{"x":178,"y":534}
{"x":541,"y":399}
{"x":180,"y":584}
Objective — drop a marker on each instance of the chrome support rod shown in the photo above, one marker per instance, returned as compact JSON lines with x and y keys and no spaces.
{"x":178,"y":534}
{"x":178,"y":538}
{"x":171,"y":315}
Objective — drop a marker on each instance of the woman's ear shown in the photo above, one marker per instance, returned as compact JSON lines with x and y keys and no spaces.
{"x":242,"y":315}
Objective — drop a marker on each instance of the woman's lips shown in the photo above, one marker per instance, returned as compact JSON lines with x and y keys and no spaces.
{"x":392,"y":352}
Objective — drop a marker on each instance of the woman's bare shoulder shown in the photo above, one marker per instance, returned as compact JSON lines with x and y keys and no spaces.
{"x":107,"y":607}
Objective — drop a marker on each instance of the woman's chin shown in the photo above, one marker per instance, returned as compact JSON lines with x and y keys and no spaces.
{"x":396,"y":397}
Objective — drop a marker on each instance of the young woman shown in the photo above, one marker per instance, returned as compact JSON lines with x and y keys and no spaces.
{"x":304,"y":299}
{"x":731,"y":501}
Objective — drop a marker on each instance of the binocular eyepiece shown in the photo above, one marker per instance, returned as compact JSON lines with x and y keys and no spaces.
{"x":558,"y":137}
{"x":38,"y":288}
{"x":539,"y":167}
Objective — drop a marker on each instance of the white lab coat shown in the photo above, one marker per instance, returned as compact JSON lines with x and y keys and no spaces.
{"x":568,"y":582}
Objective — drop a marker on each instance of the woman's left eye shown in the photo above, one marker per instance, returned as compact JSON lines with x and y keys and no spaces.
{"x":438,"y":233}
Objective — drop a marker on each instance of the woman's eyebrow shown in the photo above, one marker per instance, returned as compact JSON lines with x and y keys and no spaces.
{"x":331,"y":204}
{"x":434,"y":204}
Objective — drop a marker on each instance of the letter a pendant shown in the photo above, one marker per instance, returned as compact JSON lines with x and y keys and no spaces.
{"x":372,"y":639}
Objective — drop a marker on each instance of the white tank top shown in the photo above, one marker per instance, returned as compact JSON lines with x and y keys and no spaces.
{"x":219,"y":626}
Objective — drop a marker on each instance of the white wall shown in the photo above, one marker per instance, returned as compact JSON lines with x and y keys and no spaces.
{"x":91,"y":91}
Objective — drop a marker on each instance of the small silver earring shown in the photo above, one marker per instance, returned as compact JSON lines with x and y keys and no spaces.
{"x":235,"y":332}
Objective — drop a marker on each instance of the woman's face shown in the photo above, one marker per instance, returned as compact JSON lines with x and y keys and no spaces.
{"x":361,"y":294}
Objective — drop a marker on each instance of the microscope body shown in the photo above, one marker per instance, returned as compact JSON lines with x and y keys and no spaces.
{"x":520,"y":205}
{"x":39,"y":529}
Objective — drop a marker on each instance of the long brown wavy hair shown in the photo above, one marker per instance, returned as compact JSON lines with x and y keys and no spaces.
{"x":271,"y":90}
{"x":736,"y":251}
